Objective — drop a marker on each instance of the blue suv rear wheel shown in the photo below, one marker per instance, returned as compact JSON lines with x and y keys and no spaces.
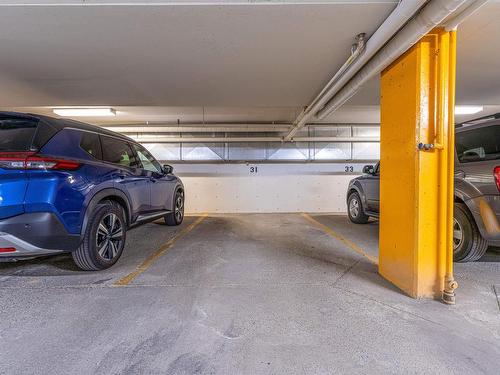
{"x":104,"y":238}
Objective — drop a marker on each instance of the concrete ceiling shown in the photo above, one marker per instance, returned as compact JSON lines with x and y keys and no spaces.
{"x":177,"y":55}
{"x":164,"y":61}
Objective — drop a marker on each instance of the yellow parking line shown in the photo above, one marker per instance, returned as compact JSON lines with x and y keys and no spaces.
{"x":350,"y":244}
{"x":124,"y":281}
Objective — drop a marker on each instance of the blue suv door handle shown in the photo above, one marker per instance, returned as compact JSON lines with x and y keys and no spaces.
{"x":152,"y":179}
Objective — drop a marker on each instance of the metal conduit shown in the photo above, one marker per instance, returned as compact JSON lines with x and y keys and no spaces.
{"x":403,"y":12}
{"x":153,"y":139}
{"x":432,"y":15}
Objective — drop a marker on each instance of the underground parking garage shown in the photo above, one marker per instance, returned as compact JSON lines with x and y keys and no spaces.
{"x":249,"y":187}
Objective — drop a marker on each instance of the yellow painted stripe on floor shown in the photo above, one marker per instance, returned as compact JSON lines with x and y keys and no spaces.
{"x":337,"y":236}
{"x":124,"y":281}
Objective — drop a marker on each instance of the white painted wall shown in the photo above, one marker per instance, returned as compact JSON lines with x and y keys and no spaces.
{"x":247,"y":188}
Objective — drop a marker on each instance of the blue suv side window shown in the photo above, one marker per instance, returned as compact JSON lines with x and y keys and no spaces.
{"x":17,"y":134}
{"x":91,"y":144}
{"x":118,"y":152}
{"x":149,"y":163}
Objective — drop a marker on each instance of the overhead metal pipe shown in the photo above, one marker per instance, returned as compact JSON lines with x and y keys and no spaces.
{"x":338,"y":124}
{"x":196,"y":129}
{"x":152,"y":139}
{"x":338,"y":139}
{"x":196,"y":124}
{"x":432,"y":15}
{"x":453,"y":23}
{"x":142,"y":129}
{"x":403,"y":12}
{"x":356,"y":50}
{"x":159,"y":139}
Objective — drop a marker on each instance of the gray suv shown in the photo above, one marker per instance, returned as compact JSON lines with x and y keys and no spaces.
{"x":477,"y":190}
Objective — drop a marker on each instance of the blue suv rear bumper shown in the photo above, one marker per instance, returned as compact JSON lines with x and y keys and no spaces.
{"x":34,"y":234}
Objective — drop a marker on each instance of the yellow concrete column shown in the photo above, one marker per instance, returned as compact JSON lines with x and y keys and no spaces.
{"x":416,"y":187}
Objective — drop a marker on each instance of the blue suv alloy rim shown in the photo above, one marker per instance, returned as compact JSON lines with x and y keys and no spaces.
{"x":179,"y":207}
{"x":109,"y":237}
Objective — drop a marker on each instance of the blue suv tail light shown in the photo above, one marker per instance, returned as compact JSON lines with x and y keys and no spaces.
{"x":31,"y":161}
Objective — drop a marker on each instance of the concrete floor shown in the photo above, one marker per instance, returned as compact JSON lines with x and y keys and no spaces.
{"x":244,"y":294}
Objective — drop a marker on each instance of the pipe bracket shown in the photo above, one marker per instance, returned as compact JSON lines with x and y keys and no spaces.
{"x":425,"y":146}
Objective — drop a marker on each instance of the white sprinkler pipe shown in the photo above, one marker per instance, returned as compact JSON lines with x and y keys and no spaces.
{"x":432,"y":15}
{"x":399,"y":16}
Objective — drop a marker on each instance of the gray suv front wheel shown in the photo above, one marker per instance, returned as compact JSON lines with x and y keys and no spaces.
{"x":468,"y":245}
{"x":355,"y":209}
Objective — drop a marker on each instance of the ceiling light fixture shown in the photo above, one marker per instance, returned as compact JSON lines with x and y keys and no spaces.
{"x":84,"y":112}
{"x":468,"y":109}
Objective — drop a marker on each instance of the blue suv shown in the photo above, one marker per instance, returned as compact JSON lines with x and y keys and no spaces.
{"x":67,"y":186}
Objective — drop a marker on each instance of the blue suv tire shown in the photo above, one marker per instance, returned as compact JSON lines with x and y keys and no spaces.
{"x":177,"y":216}
{"x":104,"y":238}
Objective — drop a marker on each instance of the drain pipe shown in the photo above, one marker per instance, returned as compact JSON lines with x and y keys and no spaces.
{"x":432,"y":15}
{"x":450,"y":284}
{"x":399,"y":16}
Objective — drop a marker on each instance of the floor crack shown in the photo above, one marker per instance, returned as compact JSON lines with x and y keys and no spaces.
{"x":496,"y":295}
{"x":345,"y":273}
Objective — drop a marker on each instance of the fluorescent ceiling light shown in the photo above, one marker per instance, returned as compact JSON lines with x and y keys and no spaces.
{"x":84,"y":112}
{"x":468,"y":109}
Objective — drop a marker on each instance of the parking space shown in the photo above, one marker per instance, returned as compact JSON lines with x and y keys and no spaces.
{"x":60,"y":270}
{"x":239,"y":294}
